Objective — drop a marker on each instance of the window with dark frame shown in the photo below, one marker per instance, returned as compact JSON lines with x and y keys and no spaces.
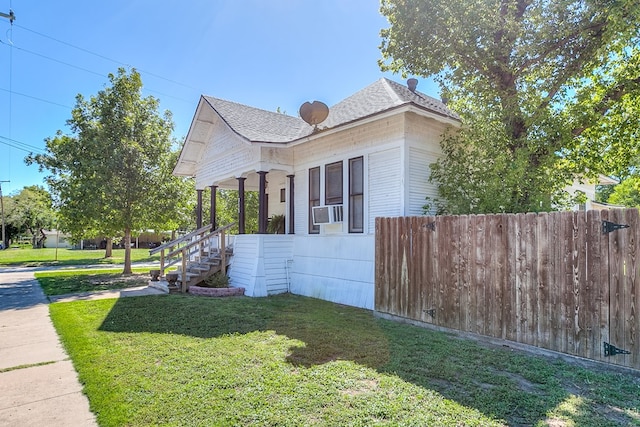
{"x":314,"y":197}
{"x":356,"y":195}
{"x":333,"y":183}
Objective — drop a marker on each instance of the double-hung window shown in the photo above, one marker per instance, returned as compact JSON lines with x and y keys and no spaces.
{"x":314,"y":197}
{"x":333,"y":183}
{"x":356,"y":195}
{"x":333,"y":189}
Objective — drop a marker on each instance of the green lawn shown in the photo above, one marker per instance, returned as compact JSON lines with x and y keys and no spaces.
{"x":294,"y":361}
{"x":47,"y":256}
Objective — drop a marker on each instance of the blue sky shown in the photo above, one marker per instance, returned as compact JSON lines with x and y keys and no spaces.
{"x":265,"y":53}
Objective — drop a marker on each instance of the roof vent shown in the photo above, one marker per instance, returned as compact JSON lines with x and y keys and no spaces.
{"x":314,"y":113}
{"x":412,"y":83}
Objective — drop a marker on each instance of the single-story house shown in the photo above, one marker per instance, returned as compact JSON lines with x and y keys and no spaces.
{"x":329,"y":178}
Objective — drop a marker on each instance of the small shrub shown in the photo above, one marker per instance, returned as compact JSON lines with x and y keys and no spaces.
{"x":276,"y":224}
{"x":218,"y":280}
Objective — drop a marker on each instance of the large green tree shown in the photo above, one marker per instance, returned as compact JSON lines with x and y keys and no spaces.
{"x":29,"y":210}
{"x":112,"y":174}
{"x":627,"y":193}
{"x":546,"y":92}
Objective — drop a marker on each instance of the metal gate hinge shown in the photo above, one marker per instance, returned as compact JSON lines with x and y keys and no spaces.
{"x":611,"y":350}
{"x":431,"y":312}
{"x":608,"y":226}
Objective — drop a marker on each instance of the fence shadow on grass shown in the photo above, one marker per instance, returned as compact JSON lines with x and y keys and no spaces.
{"x":498,"y":382}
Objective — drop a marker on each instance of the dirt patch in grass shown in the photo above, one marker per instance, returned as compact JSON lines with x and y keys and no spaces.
{"x":73,"y":282}
{"x":129,"y":280}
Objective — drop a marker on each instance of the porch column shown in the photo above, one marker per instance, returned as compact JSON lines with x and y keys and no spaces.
{"x":241,"y":221}
{"x":262,"y":203}
{"x":199,"y":210}
{"x":292,"y":210}
{"x":212,"y":215}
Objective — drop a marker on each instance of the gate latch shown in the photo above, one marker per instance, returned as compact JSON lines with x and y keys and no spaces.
{"x":608,"y":226}
{"x":611,"y":350}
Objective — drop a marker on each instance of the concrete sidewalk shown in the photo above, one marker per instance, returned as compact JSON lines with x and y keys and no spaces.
{"x":38,"y":384}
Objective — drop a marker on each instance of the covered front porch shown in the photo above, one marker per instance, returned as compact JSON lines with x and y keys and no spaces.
{"x":275,"y":189}
{"x":261,"y":257}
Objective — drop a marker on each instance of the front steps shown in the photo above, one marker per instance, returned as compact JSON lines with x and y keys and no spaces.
{"x":196,"y":272}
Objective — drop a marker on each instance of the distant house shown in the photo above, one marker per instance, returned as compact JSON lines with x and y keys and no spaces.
{"x":588,"y":188}
{"x":57,"y":239}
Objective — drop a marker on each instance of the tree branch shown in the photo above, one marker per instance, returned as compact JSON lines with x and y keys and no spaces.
{"x":612,"y":96}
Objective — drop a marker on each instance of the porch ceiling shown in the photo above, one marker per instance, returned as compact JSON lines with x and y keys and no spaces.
{"x":275,"y":177}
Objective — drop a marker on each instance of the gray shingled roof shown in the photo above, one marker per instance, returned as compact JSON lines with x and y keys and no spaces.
{"x":259,"y":125}
{"x":381,"y":96}
{"x":266,"y":126}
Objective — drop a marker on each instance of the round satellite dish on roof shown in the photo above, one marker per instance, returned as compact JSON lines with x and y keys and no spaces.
{"x":314,"y":113}
{"x":412,"y":84}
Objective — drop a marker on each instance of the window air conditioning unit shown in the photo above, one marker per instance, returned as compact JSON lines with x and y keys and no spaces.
{"x":326,"y":214}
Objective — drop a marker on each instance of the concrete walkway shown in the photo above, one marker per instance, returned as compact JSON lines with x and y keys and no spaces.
{"x":38,"y":384}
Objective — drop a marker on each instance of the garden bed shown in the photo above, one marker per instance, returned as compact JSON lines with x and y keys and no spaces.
{"x":215,"y":292}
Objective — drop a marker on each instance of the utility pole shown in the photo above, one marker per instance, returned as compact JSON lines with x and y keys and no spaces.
{"x":4,"y":242}
{"x":10,"y":16}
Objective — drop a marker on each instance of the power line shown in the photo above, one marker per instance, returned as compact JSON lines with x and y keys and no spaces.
{"x":13,"y":46}
{"x":52,"y":59}
{"x":36,"y":98}
{"x":107,"y":58}
{"x":20,"y":145}
{"x":16,"y":147}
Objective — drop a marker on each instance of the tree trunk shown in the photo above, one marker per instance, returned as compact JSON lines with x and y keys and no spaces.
{"x":108,"y":251}
{"x":127,"y":252}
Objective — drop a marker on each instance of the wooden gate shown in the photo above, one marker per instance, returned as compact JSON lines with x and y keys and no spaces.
{"x":564,"y":281}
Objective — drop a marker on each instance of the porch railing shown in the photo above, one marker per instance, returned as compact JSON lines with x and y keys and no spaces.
{"x":193,"y":247}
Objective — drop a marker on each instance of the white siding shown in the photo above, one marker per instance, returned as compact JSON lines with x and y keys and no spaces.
{"x":385,"y":185}
{"x":278,"y":251}
{"x":242,"y":271}
{"x":419,"y":186}
{"x":259,"y":263}
{"x":384,"y":135}
{"x":301,"y":200}
{"x":226,"y":157}
{"x":423,"y":138}
{"x":337,"y":268}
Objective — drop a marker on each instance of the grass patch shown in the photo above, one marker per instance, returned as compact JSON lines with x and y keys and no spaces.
{"x":47,"y":256}
{"x":30,"y":365}
{"x":76,"y":281}
{"x":292,"y":361}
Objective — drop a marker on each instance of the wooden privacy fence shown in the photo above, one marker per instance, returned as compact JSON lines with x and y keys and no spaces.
{"x":563,"y":281}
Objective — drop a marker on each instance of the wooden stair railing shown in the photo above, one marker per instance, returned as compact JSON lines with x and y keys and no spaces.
{"x":195,"y":244}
